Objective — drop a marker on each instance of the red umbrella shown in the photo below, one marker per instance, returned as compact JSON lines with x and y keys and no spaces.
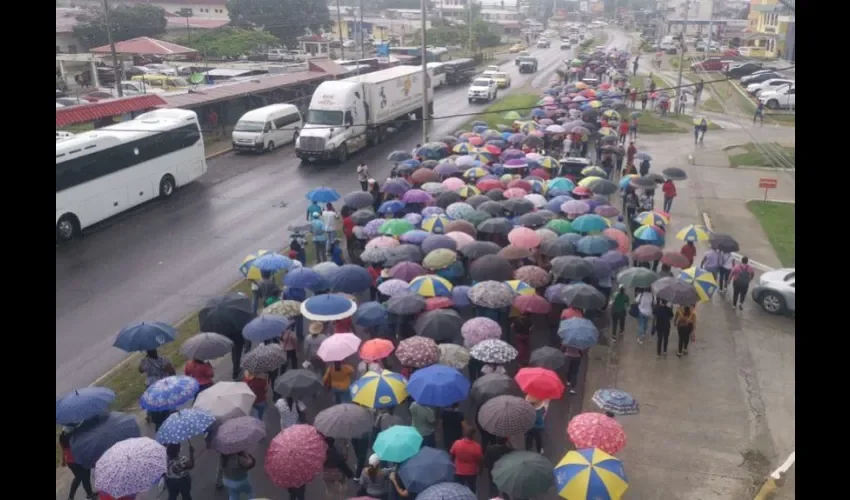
{"x":647,"y":253}
{"x":432,"y":303}
{"x":540,"y":383}
{"x":595,"y":430}
{"x":521,"y":184}
{"x":542,"y":173}
{"x":493,"y":149}
{"x":296,"y":456}
{"x":476,"y":140}
{"x":524,"y":237}
{"x":515,"y":193}
{"x":375,"y":349}
{"x":532,"y":304}
{"x":582,"y":191}
{"x":489,"y":184}
{"x":623,"y":243}
{"x":675,"y":259}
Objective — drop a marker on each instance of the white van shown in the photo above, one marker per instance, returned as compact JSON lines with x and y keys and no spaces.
{"x":266,"y":128}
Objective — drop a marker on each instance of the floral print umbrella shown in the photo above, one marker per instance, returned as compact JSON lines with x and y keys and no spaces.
{"x":169,"y":393}
{"x":535,"y":276}
{"x":493,"y":351}
{"x":382,"y":242}
{"x":479,"y":329}
{"x":595,"y":430}
{"x":492,"y":294}
{"x":393,"y":287}
{"x":130,"y":467}
{"x":454,"y":355}
{"x":296,"y":456}
{"x":264,"y":359}
{"x":417,"y":352}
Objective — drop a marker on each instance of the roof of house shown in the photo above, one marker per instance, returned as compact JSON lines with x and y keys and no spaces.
{"x":146,"y":46}
{"x":66,"y":19}
{"x":85,"y":113}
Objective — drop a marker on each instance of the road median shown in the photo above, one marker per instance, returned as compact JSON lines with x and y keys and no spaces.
{"x":494,"y":114}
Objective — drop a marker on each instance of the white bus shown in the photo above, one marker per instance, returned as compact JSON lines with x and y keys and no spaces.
{"x":104,"y":172}
{"x":437,"y":72}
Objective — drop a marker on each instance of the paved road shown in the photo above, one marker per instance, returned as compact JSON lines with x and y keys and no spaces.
{"x":163,"y":260}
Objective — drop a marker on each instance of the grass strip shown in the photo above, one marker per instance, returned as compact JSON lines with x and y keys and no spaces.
{"x":493,"y":114}
{"x":778,"y":222}
{"x":754,"y":157}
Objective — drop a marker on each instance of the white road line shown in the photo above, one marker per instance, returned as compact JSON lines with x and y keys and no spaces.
{"x":785,"y":466}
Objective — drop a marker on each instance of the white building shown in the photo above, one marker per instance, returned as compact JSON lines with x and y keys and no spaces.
{"x":208,"y":9}
{"x":66,"y":42}
{"x":698,"y":14}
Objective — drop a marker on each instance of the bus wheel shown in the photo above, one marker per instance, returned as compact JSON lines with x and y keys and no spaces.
{"x":67,"y":228}
{"x":166,"y":186}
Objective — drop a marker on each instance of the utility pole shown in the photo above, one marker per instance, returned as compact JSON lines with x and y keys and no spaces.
{"x":116,"y":68}
{"x":682,"y":55}
{"x":339,"y":30}
{"x":469,"y":23}
{"x":362,"y":38}
{"x":426,"y":83}
{"x":710,"y":27}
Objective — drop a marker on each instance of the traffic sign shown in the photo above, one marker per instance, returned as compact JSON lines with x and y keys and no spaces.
{"x":767,"y":184}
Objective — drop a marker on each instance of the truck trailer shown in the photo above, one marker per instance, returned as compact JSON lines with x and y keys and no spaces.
{"x":348,"y":115}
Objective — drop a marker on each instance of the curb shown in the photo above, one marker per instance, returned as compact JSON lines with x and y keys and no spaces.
{"x":763,"y":169}
{"x":706,"y":219}
{"x":219,"y":153}
{"x":789,"y":202}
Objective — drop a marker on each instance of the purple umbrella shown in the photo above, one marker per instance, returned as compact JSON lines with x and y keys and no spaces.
{"x":436,"y":241}
{"x":430,"y":211}
{"x":237,"y":435}
{"x":446,"y":169}
{"x":406,"y":271}
{"x":572,"y":207}
{"x":130,"y":467}
{"x":516,"y":163}
{"x":479,"y":329}
{"x":601,"y":268}
{"x":615,"y":260}
{"x":593,"y":204}
{"x":554,"y":293}
{"x":459,"y":296}
{"x":393,"y":287}
{"x":414,"y":219}
{"x":510,"y":154}
{"x":371,"y":228}
{"x":606,"y":211}
{"x":415,"y":237}
{"x":516,"y":138}
{"x":396,"y":187}
{"x":417,"y":196}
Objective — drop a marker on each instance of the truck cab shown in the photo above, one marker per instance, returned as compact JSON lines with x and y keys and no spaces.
{"x":528,"y":64}
{"x":335,"y":122}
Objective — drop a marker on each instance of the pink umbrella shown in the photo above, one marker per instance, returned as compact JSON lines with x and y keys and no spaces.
{"x":296,"y":456}
{"x":382,"y":242}
{"x":533,"y":275}
{"x":606,"y":211}
{"x":338,"y":346}
{"x":453,"y":183}
{"x":462,"y":239}
{"x":575,"y":207}
{"x":524,"y":237}
{"x":515,"y":193}
{"x":478,"y":329}
{"x":620,"y":237}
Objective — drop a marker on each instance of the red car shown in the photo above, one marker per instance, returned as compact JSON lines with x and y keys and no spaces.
{"x":730,"y":52}
{"x":710,"y":64}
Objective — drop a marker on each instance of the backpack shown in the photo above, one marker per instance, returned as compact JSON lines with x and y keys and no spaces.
{"x":744,"y":277}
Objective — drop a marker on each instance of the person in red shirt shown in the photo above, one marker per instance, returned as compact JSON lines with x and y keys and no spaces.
{"x":468,"y":455}
{"x":572,"y":312}
{"x":633,"y":97}
{"x":669,"y":190}
{"x":202,"y":371}
{"x":259,"y":384}
{"x":375,"y":273}
{"x":631,"y":152}
{"x":689,"y":251}
{"x":106,"y":496}
{"x":624,"y":131}
{"x":82,"y":476}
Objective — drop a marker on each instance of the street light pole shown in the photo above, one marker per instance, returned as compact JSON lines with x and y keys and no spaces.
{"x":115,"y":66}
{"x":426,"y":85}
{"x":682,"y":55}
{"x":339,"y":30}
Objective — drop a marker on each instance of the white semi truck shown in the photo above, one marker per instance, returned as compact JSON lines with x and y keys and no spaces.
{"x":354,"y":113}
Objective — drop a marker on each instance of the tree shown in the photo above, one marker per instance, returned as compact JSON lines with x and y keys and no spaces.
{"x":127,"y":22}
{"x":285,"y":19}
{"x":228,"y":41}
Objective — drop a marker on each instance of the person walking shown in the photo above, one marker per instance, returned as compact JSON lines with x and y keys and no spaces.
{"x":573,"y":357}
{"x":202,"y":371}
{"x":313,"y":208}
{"x":336,"y":470}
{"x":332,"y":220}
{"x":154,"y":368}
{"x":689,"y":250}
{"x":259,"y":384}
{"x":424,"y":419}
{"x":727,"y":262}
{"x":320,"y":237}
{"x":682,"y":103}
{"x":741,"y":276}
{"x":338,"y":379}
{"x":685,"y":320}
{"x":644,"y":97}
{"x":759,"y":114}
{"x":267,"y":288}
{"x":633,"y":127}
{"x":668,"y":189}
{"x":711,"y":263}
{"x":82,"y":476}
{"x":498,"y":448}
{"x":178,"y":482}
{"x":645,"y":302}
{"x":363,"y":176}
{"x":699,"y":131}
{"x":619,"y":308}
{"x":663,"y":317}
{"x":289,"y":342}
{"x":375,"y":481}
{"x":452,"y":422}
{"x":624,"y":131}
{"x":534,"y":436}
{"x":291,"y":412}
{"x":234,"y":475}
{"x":312,"y":342}
{"x":468,"y":457}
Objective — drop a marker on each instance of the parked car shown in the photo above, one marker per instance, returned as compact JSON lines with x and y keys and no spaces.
{"x":278,"y":55}
{"x":775,"y":291}
{"x":783,"y":97}
{"x":710,"y":64}
{"x":742,"y":70}
{"x":482,"y":89}
{"x":768,"y":85}
{"x":761,"y":77}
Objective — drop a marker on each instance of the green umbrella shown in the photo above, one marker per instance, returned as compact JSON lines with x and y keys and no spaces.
{"x":576,"y":62}
{"x":512,"y":115}
{"x":395,"y":227}
{"x":477,"y":218}
{"x":637,"y":277}
{"x":523,"y":474}
{"x":440,"y":258}
{"x":560,"y":226}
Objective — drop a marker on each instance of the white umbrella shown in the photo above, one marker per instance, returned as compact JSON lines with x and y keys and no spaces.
{"x":226,"y":400}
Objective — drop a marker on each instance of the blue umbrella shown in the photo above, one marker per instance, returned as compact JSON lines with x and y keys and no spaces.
{"x":272,"y":262}
{"x":265,"y":327}
{"x":595,"y":245}
{"x":391,"y":207}
{"x":305,"y":278}
{"x":437,"y":385}
{"x":144,"y":336}
{"x":349,"y":279}
{"x":323,"y":195}
{"x":90,"y":440}
{"x":571,"y":237}
{"x":411,"y":163}
{"x":396,"y":187}
{"x":616,"y":401}
{"x":579,"y":333}
{"x":460,"y":297}
{"x":370,"y":315}
{"x":615,"y":259}
{"x":455,"y":270}
{"x":169,"y":393}
{"x":184,"y":425}
{"x":447,"y":491}
{"x":328,"y":307}
{"x":554,"y":204}
{"x":399,"y":156}
{"x":588,"y":223}
{"x":415,"y":236}
{"x":427,"y":468}
{"x":83,"y":404}
{"x":555,"y":192}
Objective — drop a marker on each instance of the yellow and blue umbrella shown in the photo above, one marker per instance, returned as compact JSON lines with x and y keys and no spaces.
{"x":547,"y":162}
{"x":653,"y":234}
{"x":595,"y":104}
{"x":537,"y":186}
{"x":590,"y":473}
{"x":431,"y":286}
{"x":611,"y":115}
{"x":590,"y":179}
{"x":247,"y":267}
{"x":593,"y":171}
{"x":435,"y":224}
{"x":467,"y":191}
{"x":482,"y":157}
{"x":653,"y":218}
{"x":379,"y":390}
{"x":521,"y":287}
{"x":702,"y":280}
{"x":693,"y":232}
{"x":464,"y":148}
{"x":475,"y":173}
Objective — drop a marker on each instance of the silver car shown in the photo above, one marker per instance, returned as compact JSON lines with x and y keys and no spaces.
{"x":775,"y":291}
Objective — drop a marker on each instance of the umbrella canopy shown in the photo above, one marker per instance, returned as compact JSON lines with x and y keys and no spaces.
{"x":438,"y":386}
{"x":506,"y":416}
{"x":595,"y":430}
{"x":226,"y":400}
{"x":295,"y":456}
{"x":496,"y":225}
{"x":417,"y":352}
{"x":264,"y":359}
{"x":130,"y":466}
{"x":583,"y":296}
{"x":405,"y":303}
{"x":358,"y":200}
{"x":82,"y":404}
{"x":375,"y":349}
{"x":362,"y":217}
{"x":169,"y":393}
{"x":446,"y":491}
{"x":524,"y":237}
{"x":349,"y":279}
{"x":571,"y":267}
{"x":724,"y":243}
{"x":407,"y":271}
{"x":305,"y":278}
{"x":558,"y":248}
{"x":535,"y":276}
{"x":702,"y":280}
{"x":379,"y":390}
{"x":265,"y":327}
{"x":492,"y":294}
{"x":298,"y":383}
{"x":338,"y":347}
{"x":442,"y":325}
{"x":547,"y":357}
{"x":480,"y":249}
{"x":454,"y":356}
{"x":478,"y":329}
{"x":675,"y":259}
{"x":206,"y":346}
{"x":431,"y":286}
{"x":493,"y":351}
{"x":370,"y":315}
{"x":675,"y":291}
{"x":579,"y":333}
{"x":491,"y":268}
{"x":590,"y":473}
{"x":428,"y":467}
{"x":531,"y":304}
{"x":344,"y":421}
{"x":675,"y":174}
{"x":616,"y":402}
{"x":523,"y":474}
{"x":144,"y":336}
{"x":329,"y":306}
{"x":647,"y":253}
{"x":540,"y":383}
{"x":491,"y":385}
{"x":693,"y":232}
{"x":226,"y":315}
{"x":596,"y":244}
{"x":184,"y":425}
{"x":90,"y":440}
{"x":512,"y":252}
{"x":237,"y":435}
{"x":440,"y":258}
{"x":397,"y":443}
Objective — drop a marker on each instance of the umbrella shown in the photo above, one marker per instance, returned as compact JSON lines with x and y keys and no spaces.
{"x":693,"y":232}
{"x":344,"y":421}
{"x":493,"y":351}
{"x":524,"y":237}
{"x":478,"y":329}
{"x":461,"y":239}
{"x":479,"y":249}
{"x":506,"y":416}
{"x":370,"y":315}
{"x":265,"y":327}
{"x":590,"y":473}
{"x":404,"y":253}
{"x":247,"y":268}
{"x":237,"y":435}
{"x":395,"y":187}
{"x":590,"y":223}
{"x":615,"y":259}
{"x":338,"y":346}
{"x":295,"y":456}
{"x":642,"y":182}
{"x":129,"y":467}
{"x":405,"y":303}
{"x":439,"y":259}
{"x":571,"y":267}
{"x":438,"y":386}
{"x":329,"y":306}
{"x":431,"y":286}
{"x":523,"y":474}
{"x":264,"y":359}
{"x":460,"y":297}
{"x":606,"y":211}
{"x":169,"y":393}
{"x":492,"y":208}
{"x":454,"y":356}
{"x":653,"y":218}
{"x":446,"y":491}
{"x":358,"y":200}
{"x":442,"y":325}
{"x":144,"y":336}
{"x":362,"y":217}
{"x":596,"y":244}
{"x":406,"y":271}
{"x":595,"y":430}
{"x":675,"y":259}
{"x":226,"y":400}
{"x":298,"y":383}
{"x":601,"y":269}
{"x":675,"y":173}
{"x":349,"y":279}
{"x":423,"y":176}
{"x":535,"y":276}
{"x":582,"y":296}
{"x":575,"y":208}
{"x":436,"y":242}
{"x":554,"y":293}
{"x":531,"y":304}
{"x":435,"y":224}
{"x":559,"y":226}
{"x":702,"y":280}
{"x":305,"y":278}
{"x":723,"y":243}
{"x":82,"y":404}
{"x":184,"y":425}
{"x":547,"y":357}
{"x":462,"y":226}
{"x":521,"y":288}
{"x":397,"y":444}
{"x":535,"y":220}
{"x":92,"y":438}
{"x":395,"y":227}
{"x":417,"y":352}
{"x":616,"y":402}
{"x":654,"y":234}
{"x":557,"y":248}
{"x":675,"y":292}
{"x":579,"y":333}
{"x":446,"y":199}
{"x":226,"y":315}
{"x":399,"y":156}
{"x":206,"y":346}
{"x":272,"y":262}
{"x":647,"y":253}
{"x":540,"y":383}
{"x":637,"y":277}
{"x":518,"y":206}
{"x":491,"y":268}
{"x":496,"y":225}
{"x":491,"y":385}
{"x":375,"y":349}
{"x":492,"y":294}
{"x":428,"y":467}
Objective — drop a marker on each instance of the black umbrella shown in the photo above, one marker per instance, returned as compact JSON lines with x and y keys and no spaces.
{"x":533,"y":141}
{"x":496,"y":194}
{"x":603,"y":186}
{"x":496,"y":225}
{"x":344,"y":421}
{"x":491,"y":385}
{"x":571,"y":267}
{"x":546,"y":214}
{"x":226,"y":315}
{"x":657,"y":178}
{"x":533,"y":220}
{"x":298,"y":384}
{"x":492,"y":208}
{"x":403,"y":253}
{"x":479,"y":249}
{"x":447,"y":198}
{"x":675,"y":173}
{"x":491,"y":268}
{"x":557,"y":248}
{"x":547,"y":357}
{"x":429,"y":164}
{"x":361,"y":217}
{"x":583,"y":297}
{"x":93,"y":437}
{"x":642,"y":182}
{"x":609,"y":140}
{"x":724,"y":243}
{"x":675,"y":291}
{"x":405,"y":303}
{"x":358,"y":199}
{"x":476,"y":218}
{"x":518,"y":206}
{"x":441,"y":325}
{"x":476,"y":200}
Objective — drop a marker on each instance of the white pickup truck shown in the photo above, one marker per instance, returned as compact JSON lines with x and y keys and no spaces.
{"x":482,"y":89}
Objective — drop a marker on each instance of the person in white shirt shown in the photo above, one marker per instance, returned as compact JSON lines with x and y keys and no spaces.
{"x":363,"y":176}
{"x":331,"y":220}
{"x":644,"y":301}
{"x":726,"y":264}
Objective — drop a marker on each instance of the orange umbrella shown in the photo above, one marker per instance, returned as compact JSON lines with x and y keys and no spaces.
{"x":375,"y":349}
{"x":620,"y":237}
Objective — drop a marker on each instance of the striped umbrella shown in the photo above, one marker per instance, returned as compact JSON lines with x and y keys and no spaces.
{"x":693,"y":232}
{"x":468,"y":191}
{"x":590,"y":473}
{"x":702,"y":280}
{"x":247,"y":268}
{"x":379,"y":390}
{"x":653,"y":218}
{"x":435,"y":224}
{"x":521,"y":287}
{"x":431,"y":286}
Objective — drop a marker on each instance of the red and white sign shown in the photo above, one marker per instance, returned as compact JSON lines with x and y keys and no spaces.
{"x":768,"y":183}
